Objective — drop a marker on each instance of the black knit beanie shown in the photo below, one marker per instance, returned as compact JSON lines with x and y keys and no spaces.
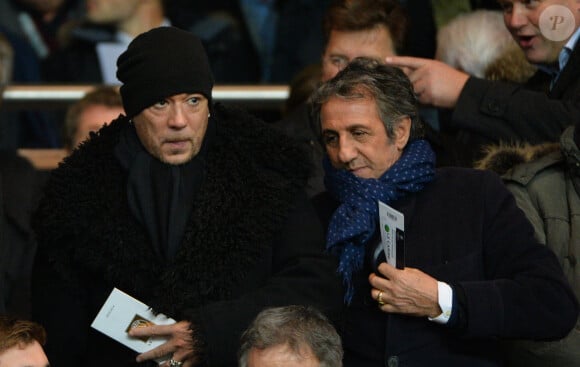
{"x":160,"y":63}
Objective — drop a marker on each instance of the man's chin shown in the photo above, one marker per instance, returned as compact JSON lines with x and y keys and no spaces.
{"x":539,"y":57}
{"x":176,"y":159}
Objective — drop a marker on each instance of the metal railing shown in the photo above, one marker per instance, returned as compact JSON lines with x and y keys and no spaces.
{"x":58,"y":96}
{"x":266,"y":97}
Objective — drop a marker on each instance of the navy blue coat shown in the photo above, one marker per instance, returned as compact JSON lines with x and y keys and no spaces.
{"x":465,"y":229}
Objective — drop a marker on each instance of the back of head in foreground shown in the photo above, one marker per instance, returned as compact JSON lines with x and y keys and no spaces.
{"x":21,"y":343}
{"x":294,"y":334}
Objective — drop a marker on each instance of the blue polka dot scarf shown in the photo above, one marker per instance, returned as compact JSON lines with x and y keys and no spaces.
{"x":354,"y":222}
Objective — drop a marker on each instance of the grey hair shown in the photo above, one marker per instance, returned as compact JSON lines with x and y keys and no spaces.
{"x":387,"y":85}
{"x":465,"y":43}
{"x":295,"y":326}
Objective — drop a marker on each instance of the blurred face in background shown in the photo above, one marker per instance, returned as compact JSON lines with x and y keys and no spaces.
{"x":110,"y":11}
{"x":522,"y":19}
{"x":93,"y":118}
{"x":343,"y":46}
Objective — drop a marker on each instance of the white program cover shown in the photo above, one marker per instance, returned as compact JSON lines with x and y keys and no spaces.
{"x":120,"y":313}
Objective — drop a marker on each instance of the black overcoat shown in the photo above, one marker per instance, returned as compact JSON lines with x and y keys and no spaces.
{"x":253,"y":240}
{"x":464,"y":229}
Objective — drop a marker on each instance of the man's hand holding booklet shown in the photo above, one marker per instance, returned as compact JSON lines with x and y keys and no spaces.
{"x":120,"y":313}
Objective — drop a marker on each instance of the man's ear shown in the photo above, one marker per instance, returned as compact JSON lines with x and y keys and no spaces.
{"x":402,"y":132}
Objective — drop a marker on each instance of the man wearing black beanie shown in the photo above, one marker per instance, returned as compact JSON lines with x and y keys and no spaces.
{"x":195,"y":209}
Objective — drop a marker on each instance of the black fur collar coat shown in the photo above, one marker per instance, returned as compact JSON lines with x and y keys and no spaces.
{"x":253,"y":240}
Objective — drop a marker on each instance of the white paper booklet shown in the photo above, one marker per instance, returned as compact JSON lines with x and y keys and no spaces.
{"x":122,"y":312}
{"x":392,"y":235}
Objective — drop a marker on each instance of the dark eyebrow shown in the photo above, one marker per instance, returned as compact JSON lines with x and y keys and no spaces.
{"x":350,"y":127}
{"x":337,"y":54}
{"x":357,"y":126}
{"x":328,"y":131}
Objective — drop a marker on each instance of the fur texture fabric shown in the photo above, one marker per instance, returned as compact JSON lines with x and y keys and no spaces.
{"x":236,"y":242}
{"x":502,"y":158}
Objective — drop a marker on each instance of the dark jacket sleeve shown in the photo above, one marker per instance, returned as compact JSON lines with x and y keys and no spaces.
{"x":61,"y":308}
{"x":504,"y":111}
{"x":59,"y":296}
{"x":301,"y":273}
{"x":527,"y":295}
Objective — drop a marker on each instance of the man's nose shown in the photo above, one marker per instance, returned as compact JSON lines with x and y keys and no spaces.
{"x":177,"y":117}
{"x":517,"y":18}
{"x":346,"y":151}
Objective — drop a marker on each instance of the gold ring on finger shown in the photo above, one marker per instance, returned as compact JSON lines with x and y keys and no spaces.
{"x":380,"y":299}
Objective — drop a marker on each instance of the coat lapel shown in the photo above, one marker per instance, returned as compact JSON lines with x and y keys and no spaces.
{"x":568,"y":76}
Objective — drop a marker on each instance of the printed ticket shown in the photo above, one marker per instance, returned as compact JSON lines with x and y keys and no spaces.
{"x":392,"y":225}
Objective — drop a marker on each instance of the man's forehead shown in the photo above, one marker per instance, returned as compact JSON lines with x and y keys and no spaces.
{"x":378,"y":35}
{"x":183,"y":96}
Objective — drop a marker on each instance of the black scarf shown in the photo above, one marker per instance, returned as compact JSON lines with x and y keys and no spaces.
{"x":161,"y":196}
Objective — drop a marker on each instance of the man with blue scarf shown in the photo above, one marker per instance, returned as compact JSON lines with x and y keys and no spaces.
{"x":474,"y":274}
